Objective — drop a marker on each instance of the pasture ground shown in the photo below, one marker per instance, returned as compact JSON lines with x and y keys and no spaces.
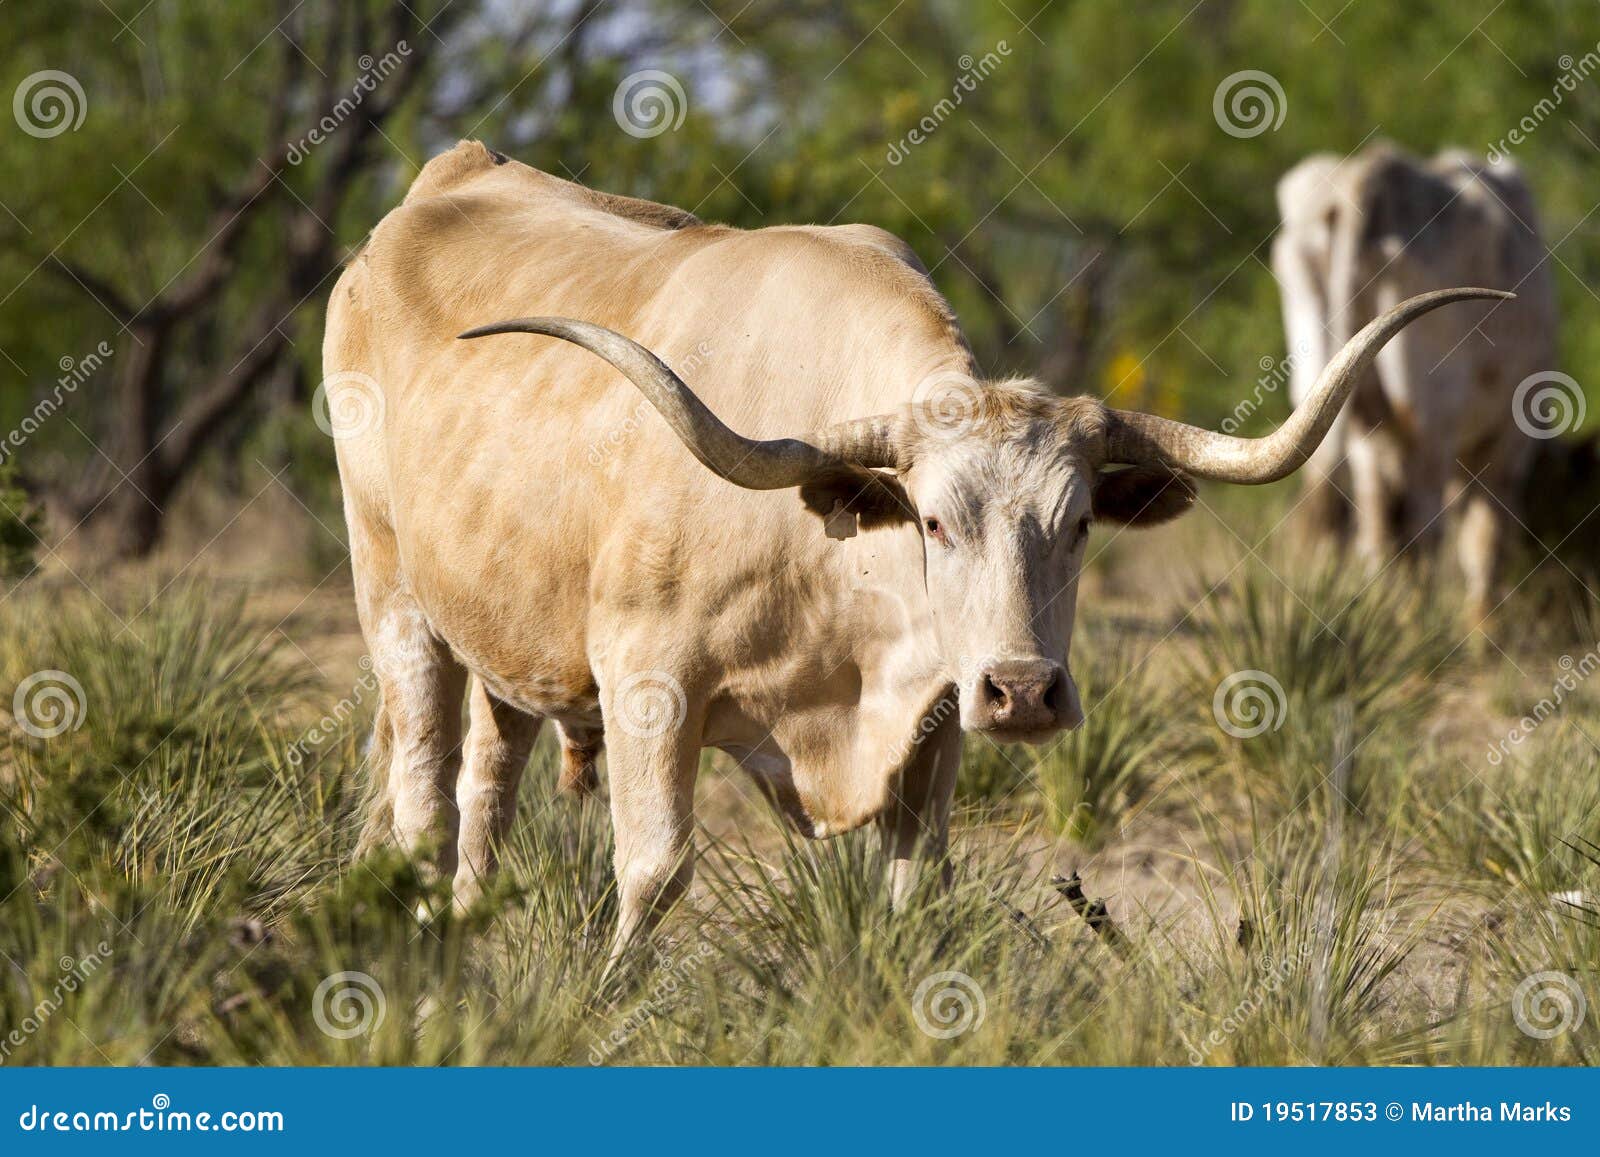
{"x":1364,"y":881}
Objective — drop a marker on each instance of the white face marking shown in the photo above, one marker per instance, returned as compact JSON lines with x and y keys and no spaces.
{"x":1004,"y":526}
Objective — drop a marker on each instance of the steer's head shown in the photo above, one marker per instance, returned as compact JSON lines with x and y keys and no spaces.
{"x":1003,"y":482}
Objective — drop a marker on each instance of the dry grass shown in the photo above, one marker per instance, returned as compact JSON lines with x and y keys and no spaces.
{"x":1360,"y":884}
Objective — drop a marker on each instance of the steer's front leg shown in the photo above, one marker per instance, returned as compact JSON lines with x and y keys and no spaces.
{"x":652,"y":737}
{"x":917,"y":818}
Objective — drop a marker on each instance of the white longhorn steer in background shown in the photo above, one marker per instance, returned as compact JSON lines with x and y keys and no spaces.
{"x":695,"y":587}
{"x":1440,"y":407}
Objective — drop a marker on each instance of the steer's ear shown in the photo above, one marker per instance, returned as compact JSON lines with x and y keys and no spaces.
{"x":1142,"y":495}
{"x":873,"y":498}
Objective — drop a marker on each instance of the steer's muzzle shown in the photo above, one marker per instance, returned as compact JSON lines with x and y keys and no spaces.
{"x":1025,"y":699}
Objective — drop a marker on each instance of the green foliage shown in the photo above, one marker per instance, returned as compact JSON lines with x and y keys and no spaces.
{"x":21,"y":520}
{"x":1080,"y":204}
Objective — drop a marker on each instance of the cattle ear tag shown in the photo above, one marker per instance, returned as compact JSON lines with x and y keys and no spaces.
{"x":840,"y":523}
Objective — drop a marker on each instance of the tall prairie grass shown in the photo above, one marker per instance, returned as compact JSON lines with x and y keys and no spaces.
{"x":178,"y":882}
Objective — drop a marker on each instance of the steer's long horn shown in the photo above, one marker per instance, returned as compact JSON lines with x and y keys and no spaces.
{"x":754,"y":464}
{"x":1145,"y":439}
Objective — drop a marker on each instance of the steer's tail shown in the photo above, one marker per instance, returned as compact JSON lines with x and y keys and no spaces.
{"x":378,"y":827}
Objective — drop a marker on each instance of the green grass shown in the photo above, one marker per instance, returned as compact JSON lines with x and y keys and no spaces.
{"x":1297,"y":670}
{"x":177,"y":882}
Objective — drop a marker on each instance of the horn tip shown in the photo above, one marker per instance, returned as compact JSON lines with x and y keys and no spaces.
{"x":551,"y":326}
{"x":519,"y":325}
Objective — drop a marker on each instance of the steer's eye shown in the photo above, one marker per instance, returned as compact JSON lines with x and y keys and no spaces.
{"x":935,"y":530}
{"x":1084,"y":524}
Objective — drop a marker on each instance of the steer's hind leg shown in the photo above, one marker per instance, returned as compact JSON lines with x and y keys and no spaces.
{"x":422,"y":690}
{"x":499,"y":741}
{"x":580,"y":748}
{"x":416,"y":749}
{"x":917,"y":819}
{"x":419,"y":726}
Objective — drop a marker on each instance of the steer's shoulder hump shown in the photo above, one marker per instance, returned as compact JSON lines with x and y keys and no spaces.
{"x":472,"y":169}
{"x":871,"y":242}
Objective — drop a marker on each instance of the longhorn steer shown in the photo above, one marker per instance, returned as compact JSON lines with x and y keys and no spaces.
{"x":1362,"y":233}
{"x":813,"y":603}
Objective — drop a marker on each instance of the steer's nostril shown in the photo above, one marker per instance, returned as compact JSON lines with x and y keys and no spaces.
{"x":1051,"y":696}
{"x":992,"y":692}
